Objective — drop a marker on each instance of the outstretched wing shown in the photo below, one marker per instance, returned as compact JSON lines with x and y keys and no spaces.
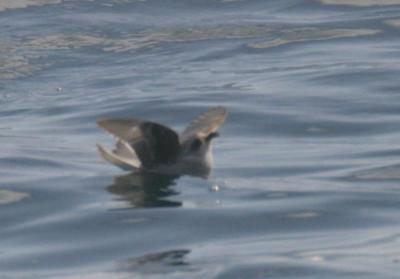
{"x":153,"y":143}
{"x":205,"y":124}
{"x":122,"y":156}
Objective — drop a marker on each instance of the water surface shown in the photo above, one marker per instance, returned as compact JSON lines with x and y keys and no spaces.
{"x":307,"y":170}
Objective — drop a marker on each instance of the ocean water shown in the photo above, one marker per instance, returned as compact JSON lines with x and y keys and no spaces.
{"x":306,"y":182}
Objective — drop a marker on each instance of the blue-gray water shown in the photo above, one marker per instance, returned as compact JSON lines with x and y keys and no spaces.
{"x":306,"y":182}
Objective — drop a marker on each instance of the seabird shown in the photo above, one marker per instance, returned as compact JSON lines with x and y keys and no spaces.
{"x":148,"y":146}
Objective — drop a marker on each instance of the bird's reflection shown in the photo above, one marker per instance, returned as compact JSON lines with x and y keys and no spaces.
{"x":162,"y":262}
{"x":145,"y":189}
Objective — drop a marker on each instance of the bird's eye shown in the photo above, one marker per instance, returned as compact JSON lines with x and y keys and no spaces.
{"x":195,"y":145}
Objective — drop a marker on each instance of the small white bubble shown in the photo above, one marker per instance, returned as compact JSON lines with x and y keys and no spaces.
{"x":59,"y":89}
{"x":215,"y":188}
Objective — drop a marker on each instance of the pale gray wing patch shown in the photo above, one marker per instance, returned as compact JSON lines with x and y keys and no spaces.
{"x":125,"y":129}
{"x":205,"y":124}
{"x":118,"y":160}
{"x":124,"y":150}
{"x":153,"y":143}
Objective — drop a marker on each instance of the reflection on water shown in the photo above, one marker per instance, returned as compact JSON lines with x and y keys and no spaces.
{"x":267,"y":36}
{"x":12,"y":67}
{"x":145,"y":189}
{"x":361,"y":3}
{"x":391,"y":172}
{"x":162,"y":262}
{"x":278,"y":35}
{"x":260,"y":271}
{"x":393,"y":22}
{"x":314,"y":34}
{"x":148,"y":38}
{"x":7,"y":196}
{"x":18,"y":4}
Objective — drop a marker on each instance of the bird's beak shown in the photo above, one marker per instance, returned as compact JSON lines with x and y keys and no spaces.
{"x":212,"y":135}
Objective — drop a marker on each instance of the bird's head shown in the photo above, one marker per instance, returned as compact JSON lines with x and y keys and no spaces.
{"x":200,"y":145}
